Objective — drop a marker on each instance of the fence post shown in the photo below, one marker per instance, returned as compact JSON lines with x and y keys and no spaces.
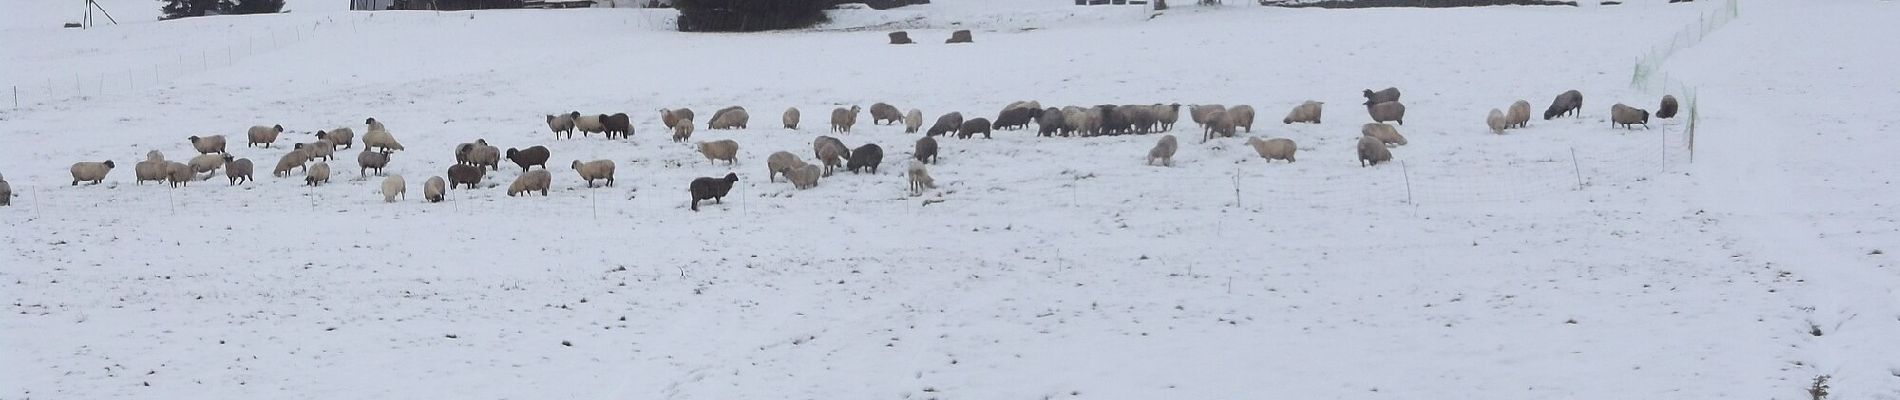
{"x":1578,"y":168}
{"x":1237,"y":203}
{"x":1408,"y":183}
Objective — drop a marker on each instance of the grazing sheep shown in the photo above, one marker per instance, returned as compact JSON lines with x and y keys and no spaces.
{"x":683,"y":131}
{"x":1199,"y":112}
{"x":830,"y":151}
{"x":6,"y":192}
{"x":562,"y":123}
{"x":368,"y":160}
{"x":1628,"y":116}
{"x":465,"y":175}
{"x":205,"y":163}
{"x":95,"y":172}
{"x":1386,"y":133}
{"x":1565,"y":103}
{"x":913,"y":120}
{"x":734,"y":117}
{"x":238,"y":170}
{"x":1075,"y":121}
{"x":597,"y":169}
{"x":720,"y":150}
{"x":881,"y":112}
{"x":178,"y":174}
{"x":843,"y":118}
{"x":1519,"y":115}
{"x":154,"y":155}
{"x":1387,"y":111}
{"x":318,"y":149}
{"x":919,"y":178}
{"x":293,"y":159}
{"x":779,"y":162}
{"x":1242,"y":116}
{"x":589,"y":124}
{"x":394,"y":186}
{"x":1163,"y":150}
{"x":1668,"y":108}
{"x":960,"y":36}
{"x":1496,"y":121}
{"x":866,"y":156}
{"x":339,"y":136}
{"x":380,"y":139}
{"x":974,"y":126}
{"x":671,"y":117}
{"x":532,"y":156}
{"x":790,"y":118}
{"x":149,"y":170}
{"x":619,"y":124}
{"x":1388,"y":94}
{"x":1218,"y":124}
{"x":531,"y":181}
{"x":1015,"y":118}
{"x":318,"y":173}
{"x":432,"y":189}
{"x":715,"y":189}
{"x":1372,"y":152}
{"x":926,"y":150}
{"x":208,"y":144}
{"x":803,"y":177}
{"x":265,"y":135}
{"x":946,"y":124}
{"x":1306,"y":113}
{"x":1274,"y":149}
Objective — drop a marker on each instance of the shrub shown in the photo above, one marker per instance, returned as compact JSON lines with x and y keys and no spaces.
{"x":749,"y":15}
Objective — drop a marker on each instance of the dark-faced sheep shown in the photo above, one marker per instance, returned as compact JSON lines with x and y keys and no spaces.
{"x":1628,"y":116}
{"x":618,"y":124}
{"x":946,"y":124}
{"x":368,"y":160}
{"x":95,"y":172}
{"x":532,"y":156}
{"x":885,"y":114}
{"x":238,"y":170}
{"x":1372,"y":152}
{"x":339,"y":137}
{"x":926,"y":150}
{"x":1274,"y":149}
{"x":530,"y":182}
{"x":1166,"y":115}
{"x":1565,"y":103}
{"x":563,"y":123}
{"x":208,"y":144}
{"x":205,"y":163}
{"x":320,"y":149}
{"x":1306,"y":113}
{"x":318,"y":173}
{"x":1519,"y":115}
{"x":867,"y":156}
{"x":843,"y":118}
{"x":790,"y":118}
{"x":973,"y":127}
{"x":734,"y":117}
{"x":1164,"y":151}
{"x":830,"y":151}
{"x":588,"y":124}
{"x":715,"y":189}
{"x":264,"y":135}
{"x":1385,"y":95}
{"x":469,"y":175}
{"x":1668,"y":108}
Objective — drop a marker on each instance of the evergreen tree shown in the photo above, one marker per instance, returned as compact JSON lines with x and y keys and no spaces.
{"x":258,"y":7}
{"x":175,"y":9}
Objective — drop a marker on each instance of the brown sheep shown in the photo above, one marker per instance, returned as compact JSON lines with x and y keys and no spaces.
{"x":882,"y":113}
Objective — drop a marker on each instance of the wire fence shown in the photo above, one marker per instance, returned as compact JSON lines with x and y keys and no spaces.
{"x":1647,"y":75}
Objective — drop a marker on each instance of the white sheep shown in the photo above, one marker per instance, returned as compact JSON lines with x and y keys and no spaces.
{"x":432,"y":189}
{"x":1242,"y":116}
{"x":562,"y":123}
{"x":149,"y":170}
{"x":1274,"y":149}
{"x":588,"y":124}
{"x":919,"y":178}
{"x":293,"y":159}
{"x":790,"y":118}
{"x":531,"y":181}
{"x":1307,"y":112}
{"x":380,"y":138}
{"x":1519,"y":115}
{"x":178,"y":173}
{"x":154,"y":155}
{"x":1495,"y":120}
{"x":843,"y":118}
{"x":207,"y":144}
{"x":734,"y":117}
{"x":720,"y":150}
{"x":1386,"y":133}
{"x":1372,"y":151}
{"x":1387,"y":111}
{"x":205,"y":163}
{"x":1200,"y":112}
{"x":683,"y":130}
{"x":87,"y":171}
{"x":913,"y":120}
{"x":318,"y":173}
{"x":597,"y":169}
{"x":394,"y":186}
{"x":779,"y":162}
{"x":1163,"y":150}
{"x":260,"y":134}
{"x":339,"y":136}
{"x":803,"y":177}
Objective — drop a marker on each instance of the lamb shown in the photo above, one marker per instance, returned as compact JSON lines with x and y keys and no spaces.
{"x":394,"y":186}
{"x":532,"y":156}
{"x":830,"y":151}
{"x":1519,"y":115}
{"x":803,"y":177}
{"x":715,"y":189}
{"x":926,"y":150}
{"x":178,"y":174}
{"x":1388,"y":94}
{"x":1496,"y":121}
{"x":597,"y":169}
{"x":946,"y":124}
{"x":881,"y":112}
{"x":149,"y":170}
{"x":1628,"y":116}
{"x":588,"y":124}
{"x":1668,"y":108}
{"x":238,"y":170}
{"x":1242,"y":115}
{"x":1218,"y":124}
{"x":733,"y":117}
{"x":919,"y":178}
{"x":1164,"y":151}
{"x":1386,"y":133}
{"x":465,"y":175}
{"x":1306,"y":113}
{"x":376,"y":138}
{"x":293,"y":159}
{"x":1565,"y":103}
{"x":318,"y":149}
{"x":720,"y":150}
{"x":866,"y":156}
{"x":1275,"y":148}
{"x":205,"y":163}
{"x":338,"y":136}
{"x":208,"y":144}
{"x":94,"y":172}
{"x":974,"y":126}
{"x":1372,"y":152}
{"x":264,"y":135}
{"x":368,"y":160}
{"x":683,"y":131}
{"x":790,"y":118}
{"x":913,"y":120}
{"x":531,"y":181}
{"x":779,"y":162}
{"x":432,"y":189}
{"x":843,"y":118}
{"x":619,"y":123}
{"x":1199,"y":112}
{"x":562,"y":123}
{"x":1050,"y":122}
{"x":318,"y":173}
{"x":1387,"y":111}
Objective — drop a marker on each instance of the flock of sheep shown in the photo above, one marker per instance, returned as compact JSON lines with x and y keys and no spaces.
{"x":474,"y":159}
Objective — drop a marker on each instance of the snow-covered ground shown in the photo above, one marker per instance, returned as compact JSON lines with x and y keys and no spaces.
{"x":1566,"y":260}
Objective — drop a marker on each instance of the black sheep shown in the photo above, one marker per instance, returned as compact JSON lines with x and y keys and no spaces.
{"x":866,"y":156}
{"x":712,"y":188}
{"x":1564,"y":104}
{"x":464,"y":174}
{"x":972,"y":127}
{"x":616,"y":124}
{"x":536,"y":155}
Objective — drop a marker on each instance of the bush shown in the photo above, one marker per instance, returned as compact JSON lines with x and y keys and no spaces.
{"x":175,"y":9}
{"x":749,"y":15}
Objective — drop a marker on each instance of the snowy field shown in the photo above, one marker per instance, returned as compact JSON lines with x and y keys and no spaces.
{"x":1569,"y":260}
